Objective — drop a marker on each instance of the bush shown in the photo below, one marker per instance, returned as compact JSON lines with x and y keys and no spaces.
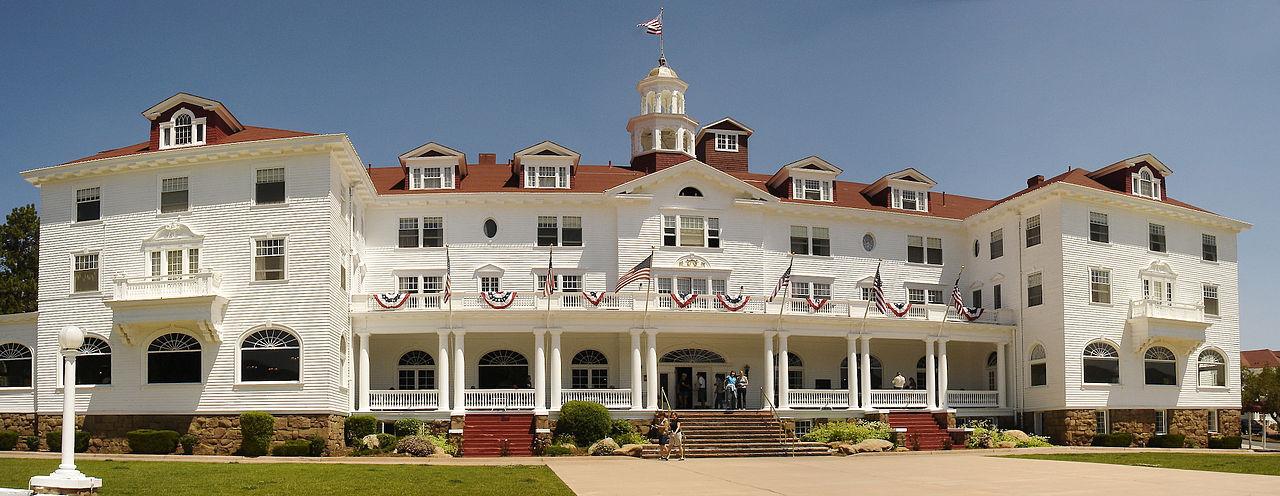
{"x":850,"y":432}
{"x":54,"y":440}
{"x":1114,"y":440}
{"x":356,"y":427}
{"x":1167,"y":441}
{"x":985,"y":435}
{"x":586,"y":421}
{"x":318,"y":445}
{"x":387,"y":441}
{"x":557,"y":450}
{"x":8,"y":440}
{"x":152,"y":442}
{"x":256,"y":429}
{"x":409,"y":427}
{"x":295,"y":447}
{"x":188,"y":443}
{"x":33,"y":443}
{"x":442,"y":443}
{"x":415,"y":446}
{"x":1226,"y":442}
{"x":621,"y":427}
{"x":630,"y":438}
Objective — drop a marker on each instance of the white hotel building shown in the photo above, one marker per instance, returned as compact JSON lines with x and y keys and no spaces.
{"x":220,"y":268}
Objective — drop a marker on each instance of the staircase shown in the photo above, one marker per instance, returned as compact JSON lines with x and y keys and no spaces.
{"x":497,"y":434}
{"x":920,"y":425}
{"x":737,"y":433}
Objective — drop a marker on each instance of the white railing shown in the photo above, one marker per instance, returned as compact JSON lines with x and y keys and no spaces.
{"x":818,"y":398}
{"x":973,"y":399}
{"x":613,"y":399}
{"x":175,"y":286}
{"x":419,"y":399}
{"x":498,"y":399}
{"x":899,"y":398}
{"x":1155,"y":309}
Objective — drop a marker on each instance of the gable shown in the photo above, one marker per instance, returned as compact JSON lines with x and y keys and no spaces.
{"x":684,"y":174}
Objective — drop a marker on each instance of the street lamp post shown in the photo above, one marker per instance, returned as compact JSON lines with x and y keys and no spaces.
{"x":66,"y":479}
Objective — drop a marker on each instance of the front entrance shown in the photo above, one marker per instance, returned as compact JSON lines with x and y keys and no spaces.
{"x":689,"y":387}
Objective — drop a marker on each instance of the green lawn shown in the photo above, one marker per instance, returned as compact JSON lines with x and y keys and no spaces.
{"x":1213,"y":462}
{"x":268,"y":479}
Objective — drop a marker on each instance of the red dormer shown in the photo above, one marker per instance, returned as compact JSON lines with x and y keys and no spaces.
{"x":185,"y":120}
{"x":907,"y":189}
{"x":723,"y":145}
{"x":546,"y":165}
{"x":433,"y":166}
{"x":810,"y":178}
{"x":1142,"y":175}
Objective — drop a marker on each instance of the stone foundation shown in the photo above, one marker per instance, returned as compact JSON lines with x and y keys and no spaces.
{"x":1077,"y":427}
{"x":1140,"y":423}
{"x":945,"y":419}
{"x":1069,"y":427}
{"x":215,"y":434}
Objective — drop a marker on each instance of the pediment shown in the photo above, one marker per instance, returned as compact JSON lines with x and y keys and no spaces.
{"x":490,"y":270}
{"x":812,"y":163}
{"x":693,"y":173}
{"x":173,"y":233}
{"x":909,"y":177}
{"x":205,"y":103}
{"x":1159,"y":269}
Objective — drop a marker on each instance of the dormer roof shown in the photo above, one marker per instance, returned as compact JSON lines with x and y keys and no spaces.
{"x":811,"y":163}
{"x":725,"y":124}
{"x":1148,"y":158}
{"x":545,"y":148}
{"x":211,"y":105}
{"x":904,"y":176}
{"x":433,"y":149}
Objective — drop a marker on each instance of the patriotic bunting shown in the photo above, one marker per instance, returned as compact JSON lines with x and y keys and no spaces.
{"x":594,"y":297}
{"x":969,"y":313}
{"x":498,"y":299}
{"x":733,"y":303}
{"x":884,"y":305}
{"x":898,"y":309}
{"x":816,"y":303}
{"x":683,"y":299}
{"x":391,"y":301}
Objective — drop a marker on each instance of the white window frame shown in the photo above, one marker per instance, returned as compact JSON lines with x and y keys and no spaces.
{"x":1162,"y":422}
{"x":496,"y":280}
{"x":1099,"y":276}
{"x":97,"y":262}
{"x":1100,"y":219}
{"x":253,"y":184}
{"x":1205,"y":290}
{"x":419,"y":178}
{"x":169,"y":133}
{"x":1152,"y":229}
{"x":726,"y":142}
{"x":239,"y":349}
{"x":284,"y":253}
{"x":997,"y":240}
{"x":1138,"y":181}
{"x":159,"y":261}
{"x":810,"y":234}
{"x":1033,"y":360}
{"x":1208,"y":240}
{"x":1039,"y":283}
{"x":561,"y":225}
{"x":540,"y":280}
{"x":160,"y":191}
{"x":1213,"y":426}
{"x":75,"y":207}
{"x":698,"y":283}
{"x":1033,"y":223}
{"x":918,"y":197}
{"x":709,"y":225}
{"x":1104,"y":424}
{"x":820,"y":188}
{"x":535,"y":176}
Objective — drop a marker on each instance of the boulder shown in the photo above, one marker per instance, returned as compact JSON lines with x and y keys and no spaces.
{"x":370,"y":441}
{"x":901,"y":449}
{"x":1017,"y":435}
{"x":630,"y":450}
{"x":843,"y":448}
{"x":871,"y":446}
{"x":603,"y":447}
{"x":1006,"y":444}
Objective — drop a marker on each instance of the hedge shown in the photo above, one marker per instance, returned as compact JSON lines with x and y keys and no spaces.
{"x":318,"y":445}
{"x":33,"y":443}
{"x":1114,"y":440}
{"x":188,"y":443}
{"x":586,"y":421}
{"x":54,"y":440}
{"x":151,"y":441}
{"x":408,"y":427}
{"x":256,"y":428}
{"x":296,"y":447}
{"x":1226,"y":442}
{"x":359,"y":426}
{"x":8,"y":440}
{"x":1167,"y":441}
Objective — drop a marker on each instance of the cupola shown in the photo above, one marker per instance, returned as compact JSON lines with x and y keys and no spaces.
{"x":661,"y":135}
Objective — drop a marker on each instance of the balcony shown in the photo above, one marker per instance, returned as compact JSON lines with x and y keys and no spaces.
{"x":818,"y":398}
{"x":189,"y":301}
{"x":973,"y":399}
{"x":613,"y":399}
{"x":899,"y":398}
{"x":422,"y":399}
{"x":1180,"y":323}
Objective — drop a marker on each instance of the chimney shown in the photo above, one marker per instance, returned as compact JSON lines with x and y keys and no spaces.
{"x":1034,"y":180}
{"x":491,"y":159}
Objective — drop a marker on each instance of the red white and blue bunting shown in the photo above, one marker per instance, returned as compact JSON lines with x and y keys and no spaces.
{"x":391,"y":301}
{"x":498,"y":299}
{"x":816,"y":303}
{"x":970,"y":313}
{"x":594,"y":297}
{"x":683,"y":299}
{"x":733,"y":303}
{"x":898,"y":309}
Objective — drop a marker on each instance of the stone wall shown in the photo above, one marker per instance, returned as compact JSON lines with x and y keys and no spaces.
{"x":215,"y":434}
{"x":1140,"y":423}
{"x":945,"y":419}
{"x":22,"y":423}
{"x":1069,"y":427}
{"x":1229,"y":422}
{"x":1194,"y":424}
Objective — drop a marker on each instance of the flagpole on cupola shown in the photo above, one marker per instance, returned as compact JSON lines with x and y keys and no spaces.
{"x":662,"y":52}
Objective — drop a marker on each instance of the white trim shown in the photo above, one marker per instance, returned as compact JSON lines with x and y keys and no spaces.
{"x":239,"y":347}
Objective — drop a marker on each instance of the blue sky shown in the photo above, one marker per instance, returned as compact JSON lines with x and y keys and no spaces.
{"x":979,"y":95}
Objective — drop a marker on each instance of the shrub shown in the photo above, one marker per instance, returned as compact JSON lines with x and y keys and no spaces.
{"x":188,"y":443}
{"x":8,"y":440}
{"x":557,"y":450}
{"x":1225,"y":442}
{"x":256,"y":429}
{"x":152,"y":442}
{"x":295,"y":447}
{"x":915,"y":442}
{"x":851,"y":432}
{"x":54,"y":440}
{"x":442,"y":443}
{"x":1167,"y":441}
{"x":409,"y":427}
{"x":387,"y":441}
{"x":318,"y":445}
{"x":357,"y":427}
{"x":621,"y":427}
{"x":415,"y":446}
{"x":1114,"y":440}
{"x":984,"y":435}
{"x":586,"y":421}
{"x":630,"y":438}
{"x":33,"y":443}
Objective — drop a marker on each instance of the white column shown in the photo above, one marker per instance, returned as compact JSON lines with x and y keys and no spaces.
{"x":68,"y":464}
{"x":651,"y":369}
{"x":864,"y":370}
{"x":557,"y":371}
{"x":930,"y":374}
{"x":851,"y":375}
{"x":539,"y":371}
{"x":362,"y":377}
{"x":459,"y":373}
{"x":1000,"y":377}
{"x":769,"y":385}
{"x":637,"y":380}
{"x":942,"y":373}
{"x":442,"y":370}
{"x":784,"y":379}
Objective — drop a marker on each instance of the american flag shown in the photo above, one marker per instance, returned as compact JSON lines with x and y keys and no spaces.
{"x":783,"y":281}
{"x":549,"y":286}
{"x":957,"y":299}
{"x":447,"y":273}
{"x":653,"y":26}
{"x":643,"y":271}
{"x":878,"y":289}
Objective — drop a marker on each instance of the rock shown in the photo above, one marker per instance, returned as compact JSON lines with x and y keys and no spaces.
{"x":843,"y":448}
{"x":370,"y":441}
{"x":871,"y":446}
{"x":901,"y":449}
{"x":1017,"y":435}
{"x":630,"y":450}
{"x":1006,"y":444}
{"x":603,"y":447}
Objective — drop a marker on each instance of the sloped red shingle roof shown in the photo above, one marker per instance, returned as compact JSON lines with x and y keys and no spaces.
{"x":250,"y":133}
{"x":1256,"y":359}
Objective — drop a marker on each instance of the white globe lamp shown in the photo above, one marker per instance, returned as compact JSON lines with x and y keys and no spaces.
{"x":66,"y":479}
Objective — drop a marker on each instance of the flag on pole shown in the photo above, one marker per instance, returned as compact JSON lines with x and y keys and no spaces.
{"x":549,"y":286}
{"x":447,"y":272}
{"x":653,"y":26}
{"x":643,"y":271}
{"x":783,"y":281}
{"x":970,"y":314}
{"x":884,"y":305}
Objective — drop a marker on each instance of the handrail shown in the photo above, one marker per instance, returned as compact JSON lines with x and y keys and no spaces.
{"x":662,"y":393}
{"x":782,"y":431}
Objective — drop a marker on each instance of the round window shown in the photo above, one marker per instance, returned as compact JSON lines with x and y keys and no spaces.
{"x":490,"y":228}
{"x":976,"y":247}
{"x":868,"y":241}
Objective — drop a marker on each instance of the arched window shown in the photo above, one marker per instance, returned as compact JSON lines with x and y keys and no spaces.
{"x":921,"y":376}
{"x":1101,"y":364}
{"x":502,"y":369}
{"x":1161,"y":366}
{"x":692,"y":355}
{"x":992,"y":360}
{"x":646,"y":140}
{"x":1213,"y":369}
{"x":15,"y":365}
{"x":173,"y":358}
{"x":589,"y":369}
{"x":877,"y":373}
{"x":270,"y":355}
{"x":795,"y":370}
{"x":1145,"y":184}
{"x":1039,"y":369}
{"x":652,"y":100}
{"x":688,"y":142}
{"x":416,"y":370}
{"x":669,"y":139}
{"x":183,"y":129}
{"x":690,"y":191}
{"x":93,"y":365}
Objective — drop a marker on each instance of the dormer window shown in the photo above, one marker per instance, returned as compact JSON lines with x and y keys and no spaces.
{"x":431,"y":177}
{"x":1145,"y":184}
{"x":726,"y":142}
{"x":182,"y":130}
{"x":907,"y":199}
{"x":544,"y":176}
{"x":811,"y":189}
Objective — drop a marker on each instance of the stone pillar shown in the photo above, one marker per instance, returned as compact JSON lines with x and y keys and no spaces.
{"x":539,"y":371}
{"x":557,"y":371}
{"x":651,"y":369}
{"x":942,"y":373}
{"x":770,"y":387}
{"x":784,"y":369}
{"x":1000,"y":375}
{"x":637,"y":377}
{"x":851,"y":372}
{"x":864,"y":370}
{"x":362,"y":377}
{"x":459,"y":373}
{"x":930,"y":374}
{"x":442,"y":370}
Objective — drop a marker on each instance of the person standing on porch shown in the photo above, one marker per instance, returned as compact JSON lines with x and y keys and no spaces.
{"x":899,"y":382}
{"x":742,"y":390}
{"x":719,"y":394}
{"x":730,"y":388}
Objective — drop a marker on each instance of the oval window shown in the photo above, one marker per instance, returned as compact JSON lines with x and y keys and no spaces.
{"x":868,"y":242}
{"x":976,"y":247}
{"x":490,"y":228}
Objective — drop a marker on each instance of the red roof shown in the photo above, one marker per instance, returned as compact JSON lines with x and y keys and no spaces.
{"x":1080,"y":177}
{"x":1256,"y":359}
{"x":250,"y":133}
{"x":497,"y":178}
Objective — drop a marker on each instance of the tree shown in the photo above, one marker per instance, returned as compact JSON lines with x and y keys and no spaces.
{"x":19,"y":260}
{"x":1260,"y":391}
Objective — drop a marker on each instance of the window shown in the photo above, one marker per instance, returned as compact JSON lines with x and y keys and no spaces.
{"x":420,"y":284}
{"x":1155,"y":238}
{"x":490,"y":228}
{"x":15,"y":366}
{"x":868,"y":293}
{"x":543,"y":176}
{"x":1101,"y":423}
{"x":1157,"y":290}
{"x":93,"y":365}
{"x":269,"y":186}
{"x":803,"y":244}
{"x":688,"y":230}
{"x":408,"y":232}
{"x":996,"y":301}
{"x":85,"y":275}
{"x":1213,"y":369}
{"x":490,"y":284}
{"x":568,"y":283}
{"x":877,"y":372}
{"x":686,"y":285}
{"x":691,"y":191}
{"x":1162,"y":422}
{"x":997,"y":244}
{"x":268,"y":259}
{"x":501,"y":369}
{"x":805,"y":289}
{"x":173,"y":195}
{"x":1035,"y":290}
{"x":416,"y":370}
{"x":935,"y":296}
{"x":183,"y":129}
{"x":804,"y":426}
{"x":1033,"y":231}
{"x":1161,"y":366}
{"x":924,"y":250}
{"x":977,"y":298}
{"x":811,"y":189}
{"x":431,"y":235}
{"x":906,"y":199}
{"x":559,"y":231}
{"x":431,"y":177}
{"x":589,"y":369}
{"x":171,"y":262}
{"x":88,"y":204}
{"x":795,"y":370}
{"x":1145,"y":184}
{"x":1101,"y":364}
{"x":1099,"y":229}
{"x":1210,"y":299}
{"x":1039,"y":366}
{"x":1100,"y":286}
{"x":726,"y":142}
{"x":1209,"y":247}
{"x":1213,"y":422}
{"x":173,"y":358}
{"x":270,"y":355}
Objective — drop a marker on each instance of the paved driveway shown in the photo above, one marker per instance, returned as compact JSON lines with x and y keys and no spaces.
{"x":948,"y":473}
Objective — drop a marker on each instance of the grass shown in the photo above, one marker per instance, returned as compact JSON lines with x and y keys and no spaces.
{"x":270,"y":479}
{"x":1211,"y":462}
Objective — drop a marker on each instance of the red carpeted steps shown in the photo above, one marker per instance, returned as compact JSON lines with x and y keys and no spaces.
{"x":921,"y":426}
{"x":497,"y":434}
{"x":737,"y":433}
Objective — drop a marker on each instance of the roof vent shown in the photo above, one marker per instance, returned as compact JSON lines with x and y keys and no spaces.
{"x":1034,"y":180}
{"x":488,"y":158}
